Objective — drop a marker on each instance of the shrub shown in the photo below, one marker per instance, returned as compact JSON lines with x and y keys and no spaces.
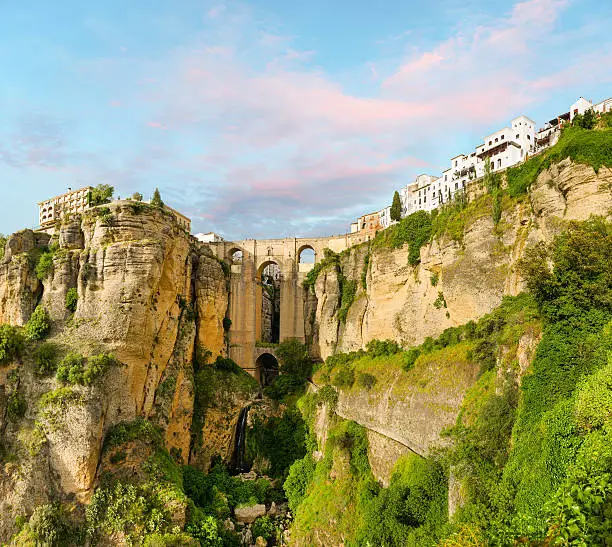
{"x":44,"y":266}
{"x":410,"y":357}
{"x":72,"y":298}
{"x":16,"y":406}
{"x":39,"y":324}
{"x":434,"y":278}
{"x":70,"y":369}
{"x":415,"y":230}
{"x":138,"y":429}
{"x":3,"y":240}
{"x":440,"y":301}
{"x":366,"y":380}
{"x":382,"y":348}
{"x":344,"y":377}
{"x":11,"y":343}
{"x":328,"y":395}
{"x":137,"y":196}
{"x":206,"y":530}
{"x":264,"y":527}
{"x":294,"y":358}
{"x":45,"y":359}
{"x":227,"y":364}
{"x":296,"y":485}
{"x":48,"y":525}
{"x":97,"y":365}
{"x":101,"y":194}
{"x":283,"y":385}
{"x":348,"y":289}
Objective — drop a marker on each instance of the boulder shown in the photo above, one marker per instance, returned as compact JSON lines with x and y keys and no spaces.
{"x":248,"y":514}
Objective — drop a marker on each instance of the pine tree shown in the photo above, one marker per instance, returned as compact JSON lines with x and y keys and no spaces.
{"x":156,"y":200}
{"x":396,"y":207}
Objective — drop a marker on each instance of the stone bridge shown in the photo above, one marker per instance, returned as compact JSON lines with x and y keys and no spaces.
{"x":248,"y":259}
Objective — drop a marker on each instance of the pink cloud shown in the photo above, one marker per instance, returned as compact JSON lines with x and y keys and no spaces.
{"x":157,"y":125}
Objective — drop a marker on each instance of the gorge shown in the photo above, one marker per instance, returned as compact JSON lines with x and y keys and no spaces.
{"x":460,"y":393}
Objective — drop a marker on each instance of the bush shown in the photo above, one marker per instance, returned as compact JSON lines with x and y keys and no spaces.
{"x":294,"y":358}
{"x":283,"y":385}
{"x":366,"y":380}
{"x":70,"y":369}
{"x":415,"y":230}
{"x":97,"y":365}
{"x":11,"y":343}
{"x":329,"y":396}
{"x":39,"y":324}
{"x":206,"y":530}
{"x":264,"y":527}
{"x":344,"y":377}
{"x":48,"y":525}
{"x":382,"y":348}
{"x":434,"y":278}
{"x":16,"y":406}
{"x":228,"y":365}
{"x":138,"y":429}
{"x":45,"y":359}
{"x":410,"y":357}
{"x":72,"y":298}
{"x":296,"y":485}
{"x":44,"y":267}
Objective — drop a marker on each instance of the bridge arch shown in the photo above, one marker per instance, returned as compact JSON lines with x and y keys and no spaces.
{"x":266,"y":368}
{"x":306,"y":254}
{"x":268,"y":313}
{"x":235,"y":255}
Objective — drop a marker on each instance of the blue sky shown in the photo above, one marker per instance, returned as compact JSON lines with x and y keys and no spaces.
{"x":271,"y":119}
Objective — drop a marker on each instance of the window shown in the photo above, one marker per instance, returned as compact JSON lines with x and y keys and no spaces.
{"x":517,"y":135}
{"x":499,"y":162}
{"x":456,"y":185}
{"x":424,"y":199}
{"x":528,"y":137}
{"x":445,"y":177}
{"x":492,"y":165}
{"x":490,"y":143}
{"x":419,"y":201}
{"x":496,"y":139}
{"x":502,"y":137}
{"x":455,"y":163}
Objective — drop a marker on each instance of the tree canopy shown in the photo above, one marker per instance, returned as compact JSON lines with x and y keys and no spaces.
{"x":396,"y":207}
{"x":101,"y":194}
{"x":156,"y":200}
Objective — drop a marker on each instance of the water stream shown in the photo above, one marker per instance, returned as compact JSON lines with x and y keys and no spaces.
{"x":237,"y":463}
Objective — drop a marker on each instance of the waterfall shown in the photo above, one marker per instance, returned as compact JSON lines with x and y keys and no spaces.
{"x":237,"y":463}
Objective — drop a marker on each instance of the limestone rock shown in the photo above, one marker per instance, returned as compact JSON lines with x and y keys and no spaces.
{"x":247,"y":515}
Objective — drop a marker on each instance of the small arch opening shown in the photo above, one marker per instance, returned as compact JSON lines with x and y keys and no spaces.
{"x":307,"y":255}
{"x":267,"y":368}
{"x":270,"y":277}
{"x":236,"y":256}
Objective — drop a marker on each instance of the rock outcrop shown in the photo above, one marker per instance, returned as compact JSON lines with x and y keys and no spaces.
{"x":472,"y":276}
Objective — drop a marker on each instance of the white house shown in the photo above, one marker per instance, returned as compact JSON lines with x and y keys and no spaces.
{"x":385,"y":217}
{"x":580,"y":107}
{"x":210,"y":237}
{"x":421,"y":195}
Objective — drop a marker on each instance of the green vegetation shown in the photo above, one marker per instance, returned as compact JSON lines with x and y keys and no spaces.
{"x":440,"y":301}
{"x":138,"y":429}
{"x":294,"y":358}
{"x":38,"y":325}
{"x":156,"y":200}
{"x":72,"y":299}
{"x":45,"y":359}
{"x":582,"y":146}
{"x":396,"y":207}
{"x":59,"y":399}
{"x":75,"y":369}
{"x":434,"y":278}
{"x":11,"y":343}
{"x":280,"y":441}
{"x":101,"y":194}
{"x":414,"y":230}
{"x":16,"y":406}
{"x":44,"y":263}
{"x":329,"y":259}
{"x":137,"y":196}
{"x":3,"y":240}
{"x":348,"y":291}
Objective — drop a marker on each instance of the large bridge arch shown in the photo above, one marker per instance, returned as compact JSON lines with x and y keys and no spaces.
{"x":245,"y":288}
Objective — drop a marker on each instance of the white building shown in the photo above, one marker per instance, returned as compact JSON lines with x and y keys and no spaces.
{"x":210,"y":237}
{"x":580,"y":107}
{"x":421,"y":195}
{"x":385,"y":217}
{"x":73,"y":201}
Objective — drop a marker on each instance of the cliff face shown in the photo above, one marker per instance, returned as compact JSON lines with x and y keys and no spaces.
{"x":148,"y":295}
{"x":399,"y":301}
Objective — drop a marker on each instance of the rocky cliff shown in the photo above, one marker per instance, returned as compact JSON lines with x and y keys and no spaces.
{"x":145,"y":293}
{"x":467,"y":273}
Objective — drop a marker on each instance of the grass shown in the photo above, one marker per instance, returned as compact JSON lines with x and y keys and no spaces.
{"x":588,"y":147}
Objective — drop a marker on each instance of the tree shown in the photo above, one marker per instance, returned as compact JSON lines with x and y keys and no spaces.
{"x":101,"y":194}
{"x":137,"y":196}
{"x":294,"y":358}
{"x":156,"y":200}
{"x":396,"y":207}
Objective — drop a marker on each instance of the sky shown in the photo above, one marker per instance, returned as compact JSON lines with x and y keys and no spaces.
{"x":273,"y":118}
